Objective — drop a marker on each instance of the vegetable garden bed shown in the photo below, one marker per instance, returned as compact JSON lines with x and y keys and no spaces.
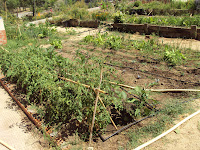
{"x":67,"y":107}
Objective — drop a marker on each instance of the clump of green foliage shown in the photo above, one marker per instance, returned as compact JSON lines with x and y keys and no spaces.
{"x":101,"y":16}
{"x":70,"y":31}
{"x":57,"y":44}
{"x":105,"y":40}
{"x":137,"y":3}
{"x":36,"y":70}
{"x":169,"y":54}
{"x":171,"y":20}
{"x":173,"y":57}
{"x":119,"y":17}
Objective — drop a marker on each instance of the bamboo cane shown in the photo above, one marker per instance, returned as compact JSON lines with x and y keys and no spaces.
{"x":4,"y":49}
{"x":153,"y":90}
{"x":95,"y":108}
{"x":85,"y":85}
{"x":108,"y":112}
{"x":173,"y":90}
{"x":6,"y":145}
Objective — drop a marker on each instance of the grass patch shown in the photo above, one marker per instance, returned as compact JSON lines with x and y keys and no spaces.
{"x":163,"y":120}
{"x":198,"y":125}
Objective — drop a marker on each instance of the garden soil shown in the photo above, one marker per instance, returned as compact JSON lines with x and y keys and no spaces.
{"x":187,"y":136}
{"x":15,"y":128}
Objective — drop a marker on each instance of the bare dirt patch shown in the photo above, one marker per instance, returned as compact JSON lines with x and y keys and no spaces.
{"x":186,"y":136}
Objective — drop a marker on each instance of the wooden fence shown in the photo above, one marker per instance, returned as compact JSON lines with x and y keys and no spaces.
{"x":164,"y":31}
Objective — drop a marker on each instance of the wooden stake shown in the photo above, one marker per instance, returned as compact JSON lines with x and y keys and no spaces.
{"x":152,"y":90}
{"x":85,"y":85}
{"x":95,"y":108}
{"x":4,"y":49}
{"x":108,"y":112}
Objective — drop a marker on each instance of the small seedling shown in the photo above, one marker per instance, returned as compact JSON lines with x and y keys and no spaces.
{"x":57,"y":44}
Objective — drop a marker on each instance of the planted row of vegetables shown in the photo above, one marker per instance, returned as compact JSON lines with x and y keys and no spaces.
{"x":166,"y":21}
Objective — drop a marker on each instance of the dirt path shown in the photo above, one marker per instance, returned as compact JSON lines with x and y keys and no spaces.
{"x":185,"y":137}
{"x":178,"y":42}
{"x":15,"y":128}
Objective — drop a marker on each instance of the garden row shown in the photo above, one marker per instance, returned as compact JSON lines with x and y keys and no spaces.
{"x":35,"y":71}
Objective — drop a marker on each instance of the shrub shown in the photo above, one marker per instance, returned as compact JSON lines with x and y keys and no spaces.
{"x":56,"y":44}
{"x":101,"y":16}
{"x":119,"y":17}
{"x":137,"y":3}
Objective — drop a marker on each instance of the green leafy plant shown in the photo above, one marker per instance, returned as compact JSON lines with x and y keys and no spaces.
{"x":173,"y":57}
{"x":137,"y":3}
{"x":105,"y":40}
{"x":141,"y":102}
{"x":70,"y":31}
{"x":119,"y":17}
{"x":101,"y":16}
{"x":35,"y":71}
{"x":57,"y":44}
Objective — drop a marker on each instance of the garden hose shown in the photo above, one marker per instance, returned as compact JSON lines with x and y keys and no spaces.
{"x":126,"y":127}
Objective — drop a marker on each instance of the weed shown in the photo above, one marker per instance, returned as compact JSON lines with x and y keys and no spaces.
{"x":71,"y":31}
{"x":159,"y":123}
{"x":57,"y":44}
{"x":101,"y":16}
{"x":105,"y":40}
{"x":141,"y":101}
{"x":173,"y":57}
{"x":198,"y":125}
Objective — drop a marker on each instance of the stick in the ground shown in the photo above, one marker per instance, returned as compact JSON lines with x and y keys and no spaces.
{"x":95,"y":108}
{"x":85,"y":85}
{"x":4,"y":49}
{"x":108,"y":112}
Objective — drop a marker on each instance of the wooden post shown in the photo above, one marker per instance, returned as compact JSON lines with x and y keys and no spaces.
{"x":146,"y":28}
{"x":193,"y":31}
{"x":95,"y":108}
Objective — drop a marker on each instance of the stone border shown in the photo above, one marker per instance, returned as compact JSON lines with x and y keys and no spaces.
{"x":164,"y":31}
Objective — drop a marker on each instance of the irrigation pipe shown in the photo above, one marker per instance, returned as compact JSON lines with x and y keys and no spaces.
{"x":22,"y":107}
{"x":168,"y":131}
{"x":126,"y":127}
{"x":198,"y":83}
{"x":6,"y":145}
{"x":173,"y":90}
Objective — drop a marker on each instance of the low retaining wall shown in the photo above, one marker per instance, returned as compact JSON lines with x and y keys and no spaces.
{"x":170,"y":32}
{"x":76,"y":23}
